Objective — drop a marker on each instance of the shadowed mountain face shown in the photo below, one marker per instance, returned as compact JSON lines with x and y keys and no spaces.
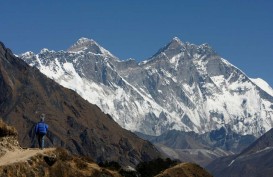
{"x":256,"y":160}
{"x":74,"y":123}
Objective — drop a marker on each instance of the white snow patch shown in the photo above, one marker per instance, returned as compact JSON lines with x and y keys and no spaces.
{"x":218,"y":80}
{"x":175,"y":59}
{"x":231,"y":163}
{"x":200,"y":65}
{"x":263,"y":85}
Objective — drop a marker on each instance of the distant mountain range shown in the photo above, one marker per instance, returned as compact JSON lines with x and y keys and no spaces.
{"x":200,"y":148}
{"x":183,"y":87}
{"x":75,"y":124}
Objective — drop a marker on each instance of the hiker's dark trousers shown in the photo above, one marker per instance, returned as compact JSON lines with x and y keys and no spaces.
{"x":41,"y":137}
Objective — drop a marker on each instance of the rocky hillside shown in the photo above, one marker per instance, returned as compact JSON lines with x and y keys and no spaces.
{"x":8,"y":138}
{"x":15,"y":161}
{"x":51,"y":162}
{"x":55,"y":163}
{"x":256,"y":160}
{"x":74,"y":123}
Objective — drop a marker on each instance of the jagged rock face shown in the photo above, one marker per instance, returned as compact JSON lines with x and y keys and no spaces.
{"x":73,"y":122}
{"x":183,"y":86}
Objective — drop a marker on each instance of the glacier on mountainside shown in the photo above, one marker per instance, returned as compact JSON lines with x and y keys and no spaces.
{"x":183,"y":87}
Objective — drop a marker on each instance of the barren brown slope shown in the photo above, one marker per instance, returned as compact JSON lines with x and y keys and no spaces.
{"x":20,"y":155}
{"x":74,"y":123}
{"x":49,"y":162}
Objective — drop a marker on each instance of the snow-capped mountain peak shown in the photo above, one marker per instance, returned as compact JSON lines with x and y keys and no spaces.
{"x":174,"y":43}
{"x":183,"y":86}
{"x":89,"y":46}
{"x":83,"y":44}
{"x":84,"y":40}
{"x":176,"y":39}
{"x":45,"y":50}
{"x":27,"y":54}
{"x":173,"y":48}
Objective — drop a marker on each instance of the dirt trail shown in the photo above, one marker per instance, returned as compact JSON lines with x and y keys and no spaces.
{"x":19,"y":155}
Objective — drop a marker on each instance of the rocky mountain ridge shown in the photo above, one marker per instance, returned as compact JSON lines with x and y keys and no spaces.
{"x":200,"y":148}
{"x":183,"y":86}
{"x":256,"y":160}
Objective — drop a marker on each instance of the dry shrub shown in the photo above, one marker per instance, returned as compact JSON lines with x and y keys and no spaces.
{"x":63,"y":154}
{"x":6,"y":130}
{"x":80,"y":163}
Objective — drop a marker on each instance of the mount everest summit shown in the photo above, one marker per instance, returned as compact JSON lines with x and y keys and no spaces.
{"x":183,"y":86}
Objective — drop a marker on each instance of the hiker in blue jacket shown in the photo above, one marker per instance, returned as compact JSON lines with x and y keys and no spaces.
{"x":41,"y":130}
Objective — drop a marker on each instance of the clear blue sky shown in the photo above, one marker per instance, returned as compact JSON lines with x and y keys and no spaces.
{"x":241,"y":31}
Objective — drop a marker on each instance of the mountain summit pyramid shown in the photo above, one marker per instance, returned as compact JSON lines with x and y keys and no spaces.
{"x":183,"y":86}
{"x":89,"y":45}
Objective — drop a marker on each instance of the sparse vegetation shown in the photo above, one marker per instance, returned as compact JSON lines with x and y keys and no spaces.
{"x":80,"y":163}
{"x":126,"y":173}
{"x":143,"y":169}
{"x":6,"y":130}
{"x":185,"y":170}
{"x":56,"y":163}
{"x":154,"y":167}
{"x":63,"y":154}
{"x":112,"y":165}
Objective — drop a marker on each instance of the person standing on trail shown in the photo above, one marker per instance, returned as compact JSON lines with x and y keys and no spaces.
{"x":41,"y":130}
